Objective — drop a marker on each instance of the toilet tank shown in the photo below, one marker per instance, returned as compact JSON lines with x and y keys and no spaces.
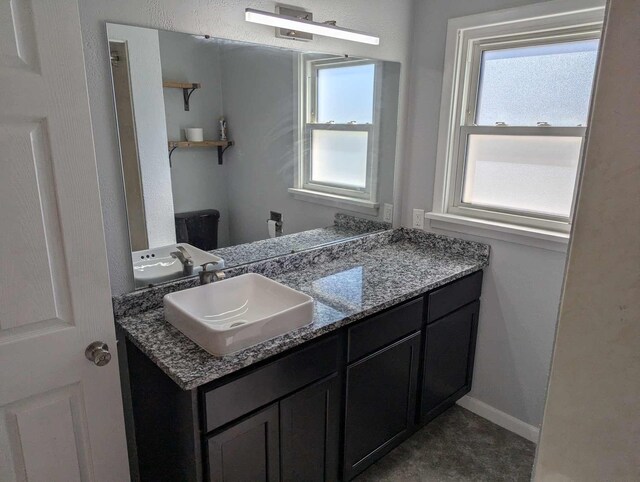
{"x":198,"y":228}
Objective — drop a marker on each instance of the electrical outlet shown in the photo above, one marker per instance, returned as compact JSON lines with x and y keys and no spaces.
{"x":387,"y":216}
{"x":418,"y":218}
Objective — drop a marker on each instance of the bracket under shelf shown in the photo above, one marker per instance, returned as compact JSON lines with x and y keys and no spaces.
{"x":187,"y":89}
{"x":221,"y":145}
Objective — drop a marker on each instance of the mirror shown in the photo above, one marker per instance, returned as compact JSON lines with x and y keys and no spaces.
{"x":235,"y":152}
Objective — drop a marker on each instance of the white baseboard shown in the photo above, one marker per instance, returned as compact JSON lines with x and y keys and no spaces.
{"x":500,"y":418}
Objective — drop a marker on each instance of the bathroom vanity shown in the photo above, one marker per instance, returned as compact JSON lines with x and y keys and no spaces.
{"x":390,"y":347}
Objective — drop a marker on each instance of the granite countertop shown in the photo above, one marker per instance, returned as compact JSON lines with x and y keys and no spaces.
{"x":348,"y":282}
{"x":287,"y":244}
{"x":344,"y":227}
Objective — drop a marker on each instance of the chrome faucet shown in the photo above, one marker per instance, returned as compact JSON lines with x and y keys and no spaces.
{"x":209,"y":276}
{"x":185,"y":258}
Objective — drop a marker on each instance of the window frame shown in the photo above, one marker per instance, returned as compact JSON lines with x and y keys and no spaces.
{"x":364,"y":197}
{"x":467,"y":39}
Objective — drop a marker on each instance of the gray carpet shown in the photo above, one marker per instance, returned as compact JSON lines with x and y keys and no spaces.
{"x":457,"y":446}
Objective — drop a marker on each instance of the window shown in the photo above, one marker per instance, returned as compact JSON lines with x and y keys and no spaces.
{"x":338,"y":131}
{"x":514,"y":119}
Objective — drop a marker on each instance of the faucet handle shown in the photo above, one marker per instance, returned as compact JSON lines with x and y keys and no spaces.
{"x":183,"y":255}
{"x":184,"y":252}
{"x":209,"y":275}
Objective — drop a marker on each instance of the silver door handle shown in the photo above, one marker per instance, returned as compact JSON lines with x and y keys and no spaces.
{"x":98,"y":353}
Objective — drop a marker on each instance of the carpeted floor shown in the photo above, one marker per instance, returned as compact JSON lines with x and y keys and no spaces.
{"x":457,"y":446}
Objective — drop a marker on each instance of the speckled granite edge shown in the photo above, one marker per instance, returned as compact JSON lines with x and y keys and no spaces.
{"x":355,"y":223}
{"x":452,"y":245}
{"x":344,"y":228}
{"x":147,"y":299}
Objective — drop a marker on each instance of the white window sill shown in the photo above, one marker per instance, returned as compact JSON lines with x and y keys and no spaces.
{"x":539,"y":238}
{"x":334,"y":200}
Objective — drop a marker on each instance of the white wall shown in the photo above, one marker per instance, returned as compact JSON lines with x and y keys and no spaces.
{"x":522,"y":286}
{"x":591,"y":423}
{"x":219,"y":18}
{"x":148,"y":113}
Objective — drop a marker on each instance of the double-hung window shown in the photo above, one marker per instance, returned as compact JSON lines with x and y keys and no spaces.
{"x":515,"y":116}
{"x":338,"y":132}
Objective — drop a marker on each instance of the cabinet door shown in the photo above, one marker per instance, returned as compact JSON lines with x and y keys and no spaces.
{"x":380,"y":403}
{"x":448,"y":363}
{"x":248,"y":450}
{"x":309,"y":432}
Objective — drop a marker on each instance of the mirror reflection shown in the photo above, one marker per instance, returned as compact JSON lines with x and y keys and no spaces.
{"x":235,"y":152}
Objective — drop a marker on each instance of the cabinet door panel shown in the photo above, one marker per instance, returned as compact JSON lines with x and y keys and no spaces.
{"x":380,"y":403}
{"x":248,"y":450}
{"x":449,"y":353}
{"x":309,"y":424}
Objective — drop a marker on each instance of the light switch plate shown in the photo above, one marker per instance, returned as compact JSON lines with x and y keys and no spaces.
{"x":418,"y":218}
{"x":387,"y":215}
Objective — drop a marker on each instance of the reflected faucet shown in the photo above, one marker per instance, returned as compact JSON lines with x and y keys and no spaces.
{"x":209,"y":276}
{"x":185,"y":258}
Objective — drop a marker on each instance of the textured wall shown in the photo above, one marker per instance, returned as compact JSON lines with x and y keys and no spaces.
{"x":591,"y":423}
{"x":220,"y":18}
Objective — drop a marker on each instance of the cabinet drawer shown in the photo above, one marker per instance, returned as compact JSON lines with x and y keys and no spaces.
{"x":270,"y":382}
{"x":453,"y":296}
{"x":385,"y":328}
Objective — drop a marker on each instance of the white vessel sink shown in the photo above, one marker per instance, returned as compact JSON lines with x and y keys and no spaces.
{"x":227,"y":316}
{"x":153,"y":266}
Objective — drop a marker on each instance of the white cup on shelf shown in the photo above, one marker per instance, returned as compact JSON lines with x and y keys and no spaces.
{"x":194,"y":134}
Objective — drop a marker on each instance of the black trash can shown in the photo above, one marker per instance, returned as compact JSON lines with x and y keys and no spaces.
{"x":198,"y":228}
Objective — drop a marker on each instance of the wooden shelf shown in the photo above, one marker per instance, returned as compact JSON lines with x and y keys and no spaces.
{"x":221,"y":145}
{"x":173,"y":144}
{"x":187,"y":89}
{"x":169,"y":84}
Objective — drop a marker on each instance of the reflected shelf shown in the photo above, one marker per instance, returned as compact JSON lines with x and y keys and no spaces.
{"x":221,"y":145}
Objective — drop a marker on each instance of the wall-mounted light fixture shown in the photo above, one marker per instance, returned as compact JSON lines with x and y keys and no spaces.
{"x":295,"y":21}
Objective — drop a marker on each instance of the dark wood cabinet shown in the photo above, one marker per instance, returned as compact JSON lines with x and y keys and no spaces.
{"x":309,"y":432}
{"x":380,"y":403}
{"x":325,"y":410}
{"x":248,"y":450}
{"x":448,"y":359}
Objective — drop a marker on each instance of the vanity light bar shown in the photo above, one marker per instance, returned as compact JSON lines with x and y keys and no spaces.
{"x":294,"y":23}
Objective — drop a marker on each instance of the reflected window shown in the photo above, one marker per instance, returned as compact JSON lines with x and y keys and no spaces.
{"x":339,"y":128}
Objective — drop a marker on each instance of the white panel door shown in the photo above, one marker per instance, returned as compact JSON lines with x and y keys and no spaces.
{"x":60,"y":414}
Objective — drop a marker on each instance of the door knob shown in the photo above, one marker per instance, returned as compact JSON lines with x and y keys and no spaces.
{"x":98,"y":353}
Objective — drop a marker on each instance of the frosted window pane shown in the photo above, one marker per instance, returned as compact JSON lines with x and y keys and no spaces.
{"x":543,"y":83}
{"x":339,"y":157}
{"x":345,"y":94}
{"x":522,"y":173}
